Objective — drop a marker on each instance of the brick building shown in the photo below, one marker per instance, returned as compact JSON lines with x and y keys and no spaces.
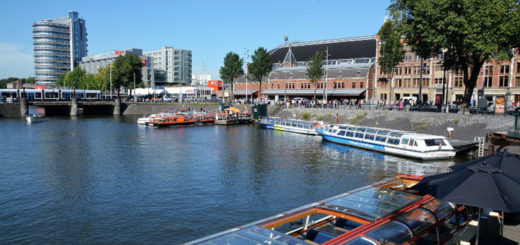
{"x":352,"y":72}
{"x":349,"y":71}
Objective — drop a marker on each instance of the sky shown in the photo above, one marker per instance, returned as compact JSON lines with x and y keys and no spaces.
{"x":210,"y":28}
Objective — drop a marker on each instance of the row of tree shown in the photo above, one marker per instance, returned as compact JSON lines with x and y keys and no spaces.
{"x":259,"y":67}
{"x":123,"y":70}
{"x":466,"y":32}
{"x":5,"y":81}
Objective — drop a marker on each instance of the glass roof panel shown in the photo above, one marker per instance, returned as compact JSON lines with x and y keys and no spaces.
{"x":254,"y":235}
{"x":371,"y":203}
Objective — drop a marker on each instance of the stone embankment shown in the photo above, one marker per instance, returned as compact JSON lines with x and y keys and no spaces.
{"x":151,"y":108}
{"x":466,"y":127}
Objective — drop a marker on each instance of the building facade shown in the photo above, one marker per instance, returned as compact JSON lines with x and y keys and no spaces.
{"x":500,"y":78}
{"x":92,"y":63}
{"x":172,"y":66}
{"x":348,"y":71}
{"x":59,"y":45}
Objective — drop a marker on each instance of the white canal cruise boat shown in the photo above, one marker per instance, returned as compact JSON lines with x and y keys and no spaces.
{"x":397,"y":142}
{"x":290,"y":125}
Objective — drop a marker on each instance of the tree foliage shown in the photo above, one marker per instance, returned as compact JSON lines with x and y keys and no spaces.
{"x":315,"y":69}
{"x":71,"y":79}
{"x":468,"y":32}
{"x":231,"y":70}
{"x":5,"y":81}
{"x":261,"y":66}
{"x":123,"y":70}
{"x":391,"y":51}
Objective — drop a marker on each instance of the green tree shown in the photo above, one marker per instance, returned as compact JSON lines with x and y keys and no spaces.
{"x":391,"y":51}
{"x":102,"y":78}
{"x":72,"y":78}
{"x":123,"y":70}
{"x":315,"y":70}
{"x":231,"y":70}
{"x":261,"y":66}
{"x":469,"y":32}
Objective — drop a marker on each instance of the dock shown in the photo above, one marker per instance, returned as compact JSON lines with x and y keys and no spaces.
{"x":463,"y":146}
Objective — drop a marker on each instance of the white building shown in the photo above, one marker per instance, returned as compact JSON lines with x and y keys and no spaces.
{"x":200,"y":80}
{"x":172,"y":66}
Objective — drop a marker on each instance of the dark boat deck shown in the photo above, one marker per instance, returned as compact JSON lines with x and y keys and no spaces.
{"x":463,"y":146}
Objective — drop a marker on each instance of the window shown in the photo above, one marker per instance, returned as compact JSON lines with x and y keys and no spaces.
{"x":319,"y":85}
{"x":353,"y":84}
{"x":290,"y":85}
{"x":405,"y":141}
{"x":504,"y":69}
{"x":278,"y":86}
{"x":517,"y":82}
{"x":488,"y":81}
{"x":503,"y":81}
{"x":361,"y":84}
{"x":341,"y":133}
{"x":434,"y":142}
{"x":359,"y":135}
{"x":392,"y":232}
{"x":369,"y":136}
{"x":518,"y":67}
{"x":459,"y":81}
{"x":350,"y":134}
{"x":489,"y":70}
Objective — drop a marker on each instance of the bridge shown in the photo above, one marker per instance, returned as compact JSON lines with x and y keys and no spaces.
{"x":71,"y":107}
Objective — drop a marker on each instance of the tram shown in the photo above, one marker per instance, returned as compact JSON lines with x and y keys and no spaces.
{"x":50,"y":94}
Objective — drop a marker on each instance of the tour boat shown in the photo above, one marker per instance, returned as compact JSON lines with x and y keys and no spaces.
{"x":35,"y":118}
{"x":166,"y":121}
{"x":387,"y":212}
{"x":397,"y":142}
{"x":290,"y":125}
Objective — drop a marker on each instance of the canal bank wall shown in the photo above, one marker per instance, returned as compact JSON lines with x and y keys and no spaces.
{"x":151,"y":108}
{"x":10,"y":110}
{"x":466,"y":127}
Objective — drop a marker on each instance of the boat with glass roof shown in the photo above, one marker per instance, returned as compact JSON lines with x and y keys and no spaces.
{"x":290,"y":125}
{"x":387,"y":212}
{"x":397,"y":142}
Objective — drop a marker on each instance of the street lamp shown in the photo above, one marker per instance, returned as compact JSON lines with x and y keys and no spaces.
{"x":247,"y":57}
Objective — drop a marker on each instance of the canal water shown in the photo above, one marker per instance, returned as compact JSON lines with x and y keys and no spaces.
{"x":107,"y":180}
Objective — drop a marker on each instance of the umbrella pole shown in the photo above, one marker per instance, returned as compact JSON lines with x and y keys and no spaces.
{"x":478,"y":226}
{"x":502,"y":219}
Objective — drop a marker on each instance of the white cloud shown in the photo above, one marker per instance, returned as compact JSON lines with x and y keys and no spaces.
{"x":14,"y":62}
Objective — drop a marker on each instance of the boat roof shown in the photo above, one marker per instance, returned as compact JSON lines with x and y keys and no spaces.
{"x":289,"y":119}
{"x":410,"y":134}
{"x":369,"y":204}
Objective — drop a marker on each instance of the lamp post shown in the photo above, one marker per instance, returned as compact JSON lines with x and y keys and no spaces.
{"x":325,"y":82}
{"x":110,"y":79}
{"x":247,"y":57}
{"x":285,"y":88}
{"x":419,"y":99}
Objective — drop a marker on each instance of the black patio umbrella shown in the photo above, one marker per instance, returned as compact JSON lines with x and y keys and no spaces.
{"x":490,"y":182}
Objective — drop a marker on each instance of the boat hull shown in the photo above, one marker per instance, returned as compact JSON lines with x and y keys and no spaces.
{"x":33,"y":120}
{"x":295,"y":130}
{"x":432,"y":155}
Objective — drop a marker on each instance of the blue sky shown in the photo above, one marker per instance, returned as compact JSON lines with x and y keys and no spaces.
{"x":210,"y":28}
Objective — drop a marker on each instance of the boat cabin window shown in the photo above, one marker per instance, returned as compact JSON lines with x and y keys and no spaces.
{"x":381,"y":138}
{"x":371,"y":131}
{"x":412,"y":142}
{"x":382,"y":132}
{"x":439,"y":208}
{"x":369,"y":136}
{"x":396,"y":135}
{"x":343,"y":127}
{"x":434,"y":142}
{"x":350,"y":134}
{"x":418,"y":220}
{"x":359,"y":135}
{"x":360,"y":129}
{"x":393,"y":141}
{"x":392,"y":232}
{"x":405,"y":141}
{"x":360,"y":241}
{"x":352,"y":128}
{"x":341,"y":133}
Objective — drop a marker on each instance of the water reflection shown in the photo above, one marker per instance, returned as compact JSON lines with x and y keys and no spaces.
{"x":109,"y":180}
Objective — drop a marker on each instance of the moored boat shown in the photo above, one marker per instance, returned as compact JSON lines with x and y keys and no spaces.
{"x":387,"y":212}
{"x":166,"y":121}
{"x":396,"y":142}
{"x":34,"y":118}
{"x":290,"y":125}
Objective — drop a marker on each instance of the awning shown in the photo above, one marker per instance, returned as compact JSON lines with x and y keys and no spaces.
{"x":310,"y":92}
{"x":243,"y":91}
